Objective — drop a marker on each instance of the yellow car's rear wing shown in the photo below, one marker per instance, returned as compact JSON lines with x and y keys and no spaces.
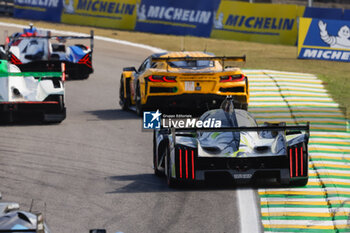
{"x":189,"y":58}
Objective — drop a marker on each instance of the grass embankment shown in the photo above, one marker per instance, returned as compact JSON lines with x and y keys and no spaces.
{"x":335,"y":75}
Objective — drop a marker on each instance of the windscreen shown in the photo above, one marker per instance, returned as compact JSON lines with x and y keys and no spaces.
{"x":240,"y":143}
{"x":219,"y":143}
{"x":192,"y":64}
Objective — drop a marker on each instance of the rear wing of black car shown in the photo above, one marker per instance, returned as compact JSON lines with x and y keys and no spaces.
{"x":290,"y":129}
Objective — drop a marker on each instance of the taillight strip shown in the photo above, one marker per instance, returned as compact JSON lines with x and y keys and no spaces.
{"x":296,"y":161}
{"x":290,"y":162}
{"x":180,"y":162}
{"x":186,"y":164}
{"x":301,"y":159}
{"x":192,"y":166}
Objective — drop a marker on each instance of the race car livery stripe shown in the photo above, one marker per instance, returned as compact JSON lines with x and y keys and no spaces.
{"x":290,"y":162}
{"x":192,"y":155}
{"x":296,"y":161}
{"x":301,"y":160}
{"x":30,"y":102}
{"x":180,"y":162}
{"x":186,"y":161}
{"x":323,"y":205}
{"x":31,"y":74}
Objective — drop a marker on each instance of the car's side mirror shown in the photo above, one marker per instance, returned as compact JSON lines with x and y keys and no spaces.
{"x":132,"y":68}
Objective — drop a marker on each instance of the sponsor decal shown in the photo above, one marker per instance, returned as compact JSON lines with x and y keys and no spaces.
{"x":48,"y":10}
{"x":105,"y":6}
{"x":119,"y":14}
{"x":271,"y":23}
{"x":324,"y":39}
{"x":176,"y":17}
{"x":173,"y":14}
{"x":40,"y":3}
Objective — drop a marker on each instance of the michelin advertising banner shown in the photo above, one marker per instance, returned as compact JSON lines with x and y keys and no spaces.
{"x":268,"y":23}
{"x":47,"y":10}
{"x":194,"y":17}
{"x":324,"y":39}
{"x":119,"y":14}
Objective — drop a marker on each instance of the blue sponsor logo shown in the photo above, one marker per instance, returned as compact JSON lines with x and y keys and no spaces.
{"x":327,"y":40}
{"x":193,"y":17}
{"x":151,"y":120}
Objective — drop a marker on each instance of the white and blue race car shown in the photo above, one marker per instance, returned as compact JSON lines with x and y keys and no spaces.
{"x":30,"y":95}
{"x":36,"y":51}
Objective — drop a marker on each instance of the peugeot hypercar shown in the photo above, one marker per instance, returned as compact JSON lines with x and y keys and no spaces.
{"x":239,"y":150}
{"x":192,"y":80}
{"x":37,"y":51}
{"x":30,"y":94}
{"x":14,"y":220}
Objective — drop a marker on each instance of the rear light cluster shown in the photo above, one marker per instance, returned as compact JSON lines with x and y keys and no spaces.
{"x":297,"y":163}
{"x":185,"y":163}
{"x":15,"y":60}
{"x":161,"y":78}
{"x":232,"y":78}
{"x":86,"y":60}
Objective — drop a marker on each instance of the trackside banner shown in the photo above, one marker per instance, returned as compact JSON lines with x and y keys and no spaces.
{"x":119,"y":14}
{"x":269,"y":23}
{"x":194,"y":17}
{"x":324,"y":39}
{"x":47,"y":10}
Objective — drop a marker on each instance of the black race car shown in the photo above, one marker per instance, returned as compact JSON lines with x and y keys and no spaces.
{"x":238,"y":149}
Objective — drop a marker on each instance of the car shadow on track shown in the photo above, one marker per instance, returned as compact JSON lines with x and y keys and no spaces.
{"x":113,"y":114}
{"x":144,"y":183}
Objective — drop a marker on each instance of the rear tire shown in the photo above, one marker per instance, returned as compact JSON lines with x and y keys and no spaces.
{"x":124,"y":103}
{"x":157,"y":172}
{"x":139,"y":107}
{"x":171,"y":181}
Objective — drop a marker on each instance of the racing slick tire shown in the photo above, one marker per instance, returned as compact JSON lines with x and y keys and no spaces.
{"x":157,"y":172}
{"x":172,"y":183}
{"x":56,"y":118}
{"x":139,"y":106}
{"x":123,"y":102}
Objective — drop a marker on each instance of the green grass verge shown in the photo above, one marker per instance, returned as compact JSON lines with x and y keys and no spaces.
{"x":335,"y":75}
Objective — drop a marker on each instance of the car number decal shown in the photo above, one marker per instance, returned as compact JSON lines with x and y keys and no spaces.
{"x":189,"y":86}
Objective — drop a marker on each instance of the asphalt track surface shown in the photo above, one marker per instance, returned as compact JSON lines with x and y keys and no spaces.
{"x":94,"y":170}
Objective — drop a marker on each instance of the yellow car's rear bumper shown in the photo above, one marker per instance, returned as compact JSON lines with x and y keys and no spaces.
{"x":193,"y":93}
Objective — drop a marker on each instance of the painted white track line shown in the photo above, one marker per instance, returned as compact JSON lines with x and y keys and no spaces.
{"x":251,"y":221}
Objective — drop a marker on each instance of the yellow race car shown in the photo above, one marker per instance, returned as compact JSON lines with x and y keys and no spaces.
{"x":187,"y":80}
